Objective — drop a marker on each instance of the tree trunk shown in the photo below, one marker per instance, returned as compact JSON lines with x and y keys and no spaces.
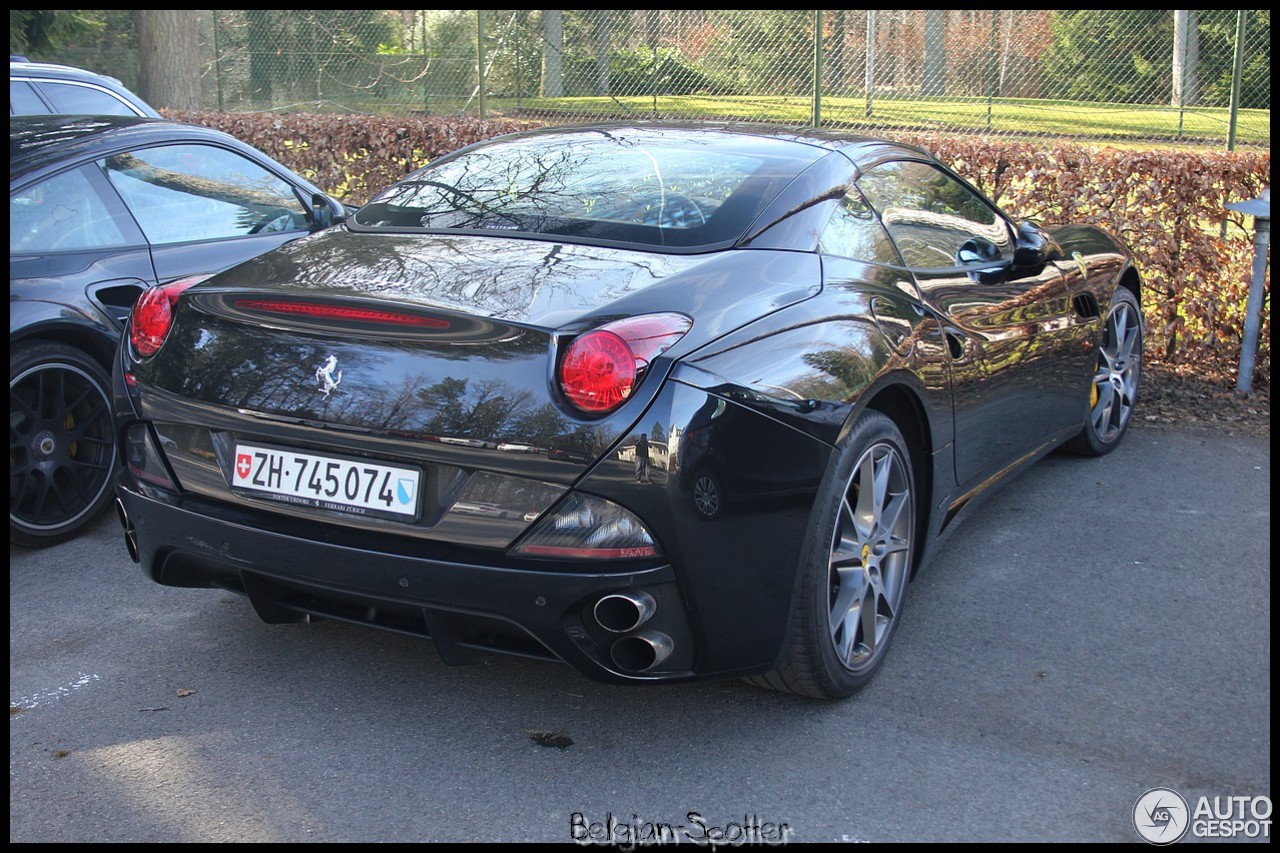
{"x":553,"y":53}
{"x":934,"y":82}
{"x":602,"y":52}
{"x":1186,"y":59}
{"x":168,"y":58}
{"x":898,"y":59}
{"x":653,"y":28}
{"x":1006,"y":46}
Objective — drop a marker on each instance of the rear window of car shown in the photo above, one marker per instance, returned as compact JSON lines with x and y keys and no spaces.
{"x":688,"y":192}
{"x":23,"y":100}
{"x":73,"y":98}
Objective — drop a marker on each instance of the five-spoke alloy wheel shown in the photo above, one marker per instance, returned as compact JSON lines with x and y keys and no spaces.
{"x":856,"y":567}
{"x":870,"y":547}
{"x":1113,"y":393}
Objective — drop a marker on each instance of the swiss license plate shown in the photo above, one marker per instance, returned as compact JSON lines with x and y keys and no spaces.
{"x":327,"y":482}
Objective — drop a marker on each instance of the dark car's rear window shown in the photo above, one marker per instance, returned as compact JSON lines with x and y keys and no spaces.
{"x":688,"y":191}
{"x":23,"y":100}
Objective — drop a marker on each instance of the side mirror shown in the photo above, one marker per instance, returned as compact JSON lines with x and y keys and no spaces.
{"x":1034,"y":247}
{"x":982,"y":257}
{"x":977,"y":250}
{"x":322,"y":214}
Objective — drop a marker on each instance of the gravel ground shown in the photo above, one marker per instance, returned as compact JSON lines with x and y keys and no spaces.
{"x":1176,"y":399}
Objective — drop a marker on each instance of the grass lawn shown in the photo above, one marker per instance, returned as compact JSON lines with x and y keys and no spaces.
{"x":1061,"y":119}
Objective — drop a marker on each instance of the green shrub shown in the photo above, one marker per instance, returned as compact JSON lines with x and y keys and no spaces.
{"x":633,"y":72}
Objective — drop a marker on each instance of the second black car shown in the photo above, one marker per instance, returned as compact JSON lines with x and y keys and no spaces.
{"x":101,"y":208}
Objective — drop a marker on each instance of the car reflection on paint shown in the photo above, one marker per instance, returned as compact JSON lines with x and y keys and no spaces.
{"x":721,"y":464}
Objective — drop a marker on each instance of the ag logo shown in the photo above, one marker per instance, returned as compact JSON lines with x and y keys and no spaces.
{"x":1161,"y":816}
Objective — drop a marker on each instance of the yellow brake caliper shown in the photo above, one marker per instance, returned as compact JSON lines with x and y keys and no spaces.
{"x":69,"y":424}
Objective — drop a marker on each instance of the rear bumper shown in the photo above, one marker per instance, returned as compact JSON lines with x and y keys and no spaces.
{"x":467,"y":609}
{"x":722,"y":592}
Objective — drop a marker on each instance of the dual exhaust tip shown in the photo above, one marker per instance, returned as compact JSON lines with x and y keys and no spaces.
{"x":626,"y":613}
{"x":130,"y":535}
{"x":617,"y":613}
{"x":641,"y":652}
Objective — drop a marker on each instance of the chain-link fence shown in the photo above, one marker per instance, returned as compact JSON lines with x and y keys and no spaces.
{"x":1193,"y":76}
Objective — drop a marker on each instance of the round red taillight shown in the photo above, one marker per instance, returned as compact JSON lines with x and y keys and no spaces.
{"x":598,"y":372}
{"x":152,"y":315}
{"x":602,"y":367}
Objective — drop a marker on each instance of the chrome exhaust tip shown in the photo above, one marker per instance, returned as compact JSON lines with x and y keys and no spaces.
{"x":621,"y":612}
{"x":643,"y":651}
{"x":130,"y":536}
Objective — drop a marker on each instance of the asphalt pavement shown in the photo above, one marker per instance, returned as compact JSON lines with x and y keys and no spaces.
{"x":1098,"y":629}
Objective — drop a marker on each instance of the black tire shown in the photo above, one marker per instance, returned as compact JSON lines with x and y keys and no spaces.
{"x":1117,"y":378}
{"x":62,"y":459}
{"x":860,"y":552}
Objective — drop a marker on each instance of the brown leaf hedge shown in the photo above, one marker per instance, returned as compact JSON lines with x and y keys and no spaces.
{"x":1167,"y":204}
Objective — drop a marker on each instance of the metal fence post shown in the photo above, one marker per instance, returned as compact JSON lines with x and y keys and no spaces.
{"x":1260,"y":209}
{"x":817,"y":67}
{"x":1235,"y":81}
{"x":991,"y":64}
{"x":480,"y":60}
{"x":870,"y":84}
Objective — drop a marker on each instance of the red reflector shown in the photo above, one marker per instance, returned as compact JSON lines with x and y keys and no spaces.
{"x":589,"y":553}
{"x":155,"y":479}
{"x":341,"y":312}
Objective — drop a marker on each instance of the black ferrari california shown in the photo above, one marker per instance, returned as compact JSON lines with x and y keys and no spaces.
{"x":662,"y":402}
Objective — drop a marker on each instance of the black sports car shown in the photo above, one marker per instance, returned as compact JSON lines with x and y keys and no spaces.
{"x":662,"y":402}
{"x":101,"y":208}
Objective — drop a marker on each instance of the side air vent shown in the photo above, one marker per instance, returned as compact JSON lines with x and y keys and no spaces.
{"x":1086,"y":305}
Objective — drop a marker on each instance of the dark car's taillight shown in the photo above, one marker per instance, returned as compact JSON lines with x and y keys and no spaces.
{"x":152,"y":315}
{"x":602,"y":367}
{"x":144,"y":459}
{"x":585,"y":527}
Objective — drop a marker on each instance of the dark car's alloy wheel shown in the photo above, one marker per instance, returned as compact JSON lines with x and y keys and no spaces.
{"x":1113,"y":393}
{"x":61,"y":454}
{"x":856,"y":568}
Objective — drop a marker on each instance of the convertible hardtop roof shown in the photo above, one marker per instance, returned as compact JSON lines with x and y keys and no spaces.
{"x":858,"y":148}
